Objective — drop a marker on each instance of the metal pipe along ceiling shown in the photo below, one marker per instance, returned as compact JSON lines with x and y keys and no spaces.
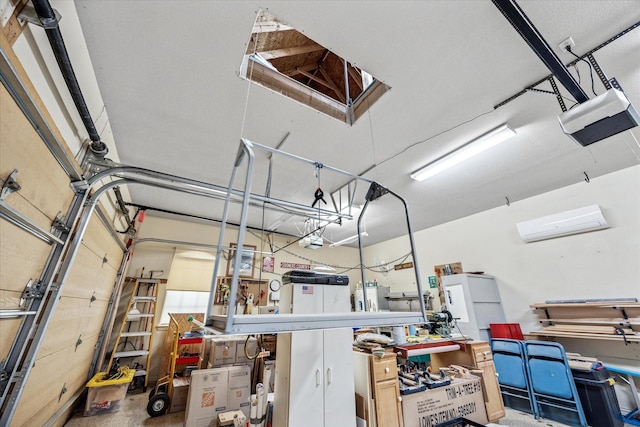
{"x":49,"y":22}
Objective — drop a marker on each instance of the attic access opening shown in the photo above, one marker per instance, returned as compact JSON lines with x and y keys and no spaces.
{"x":281,"y":58}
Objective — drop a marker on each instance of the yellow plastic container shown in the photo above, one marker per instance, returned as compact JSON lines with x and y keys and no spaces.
{"x":107,"y":395}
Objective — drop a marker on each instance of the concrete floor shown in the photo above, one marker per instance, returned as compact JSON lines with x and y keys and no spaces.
{"x":134,"y":413}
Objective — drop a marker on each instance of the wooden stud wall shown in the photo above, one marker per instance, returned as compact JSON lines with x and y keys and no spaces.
{"x":14,"y":27}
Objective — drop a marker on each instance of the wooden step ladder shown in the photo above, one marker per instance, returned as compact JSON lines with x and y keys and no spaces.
{"x":135,"y":336}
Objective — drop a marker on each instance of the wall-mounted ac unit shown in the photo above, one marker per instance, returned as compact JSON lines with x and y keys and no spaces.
{"x":575,"y":221}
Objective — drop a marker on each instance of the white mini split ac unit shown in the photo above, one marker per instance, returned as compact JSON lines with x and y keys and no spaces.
{"x":575,"y":221}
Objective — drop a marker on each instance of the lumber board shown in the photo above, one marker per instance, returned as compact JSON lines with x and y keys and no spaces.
{"x":632,"y":338}
{"x":588,"y":304}
{"x":297,"y":91}
{"x":593,"y":329}
{"x":584,"y":311}
{"x":598,"y":321}
{"x":633,"y":322}
{"x":25,"y":151}
{"x":14,"y":26}
{"x":20,"y":262}
{"x":67,"y":367}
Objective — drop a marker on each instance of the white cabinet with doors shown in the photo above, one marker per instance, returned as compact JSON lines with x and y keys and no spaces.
{"x":314,"y":369}
{"x":474,"y":302}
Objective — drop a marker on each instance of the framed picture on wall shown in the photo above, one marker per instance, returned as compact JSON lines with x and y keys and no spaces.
{"x":247,"y":260}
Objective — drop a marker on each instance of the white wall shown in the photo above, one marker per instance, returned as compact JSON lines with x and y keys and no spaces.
{"x":154,"y":256}
{"x":602,"y":264}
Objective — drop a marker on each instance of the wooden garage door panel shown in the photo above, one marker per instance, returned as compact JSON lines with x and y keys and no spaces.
{"x":72,"y":318}
{"x":8,"y":330}
{"x":40,"y":398}
{"x":43,"y":181}
{"x":89,"y":275}
{"x":98,"y":239}
{"x":18,"y":202}
{"x":23,"y":257}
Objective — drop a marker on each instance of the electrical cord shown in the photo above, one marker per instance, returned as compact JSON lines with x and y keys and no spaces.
{"x":532,"y":89}
{"x":259,"y":347}
{"x":593,"y":88}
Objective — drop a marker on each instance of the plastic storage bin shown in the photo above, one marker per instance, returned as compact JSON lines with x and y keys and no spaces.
{"x":598,"y":398}
{"x":107,"y":395}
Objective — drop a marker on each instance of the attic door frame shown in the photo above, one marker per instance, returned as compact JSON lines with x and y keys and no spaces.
{"x":276,"y":52}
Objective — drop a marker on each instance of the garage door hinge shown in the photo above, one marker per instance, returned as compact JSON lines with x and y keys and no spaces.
{"x":33,"y":290}
{"x":58,"y":224}
{"x":63,"y":390}
{"x":10,"y":185}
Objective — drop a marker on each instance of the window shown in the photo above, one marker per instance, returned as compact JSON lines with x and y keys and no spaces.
{"x":183,"y":302}
{"x":286,"y":61}
{"x":189,"y":283}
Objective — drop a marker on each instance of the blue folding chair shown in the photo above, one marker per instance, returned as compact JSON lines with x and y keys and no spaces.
{"x":552,"y":386}
{"x":510,"y":363}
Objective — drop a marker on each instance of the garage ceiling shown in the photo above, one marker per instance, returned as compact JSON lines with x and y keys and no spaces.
{"x":169,"y":74}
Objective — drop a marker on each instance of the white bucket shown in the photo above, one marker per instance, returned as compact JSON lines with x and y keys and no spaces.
{"x":398,"y":335}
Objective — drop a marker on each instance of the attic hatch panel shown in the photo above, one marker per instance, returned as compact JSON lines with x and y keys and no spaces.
{"x":286,"y":61}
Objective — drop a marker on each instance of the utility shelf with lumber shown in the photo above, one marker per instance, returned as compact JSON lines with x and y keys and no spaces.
{"x":615,"y":320}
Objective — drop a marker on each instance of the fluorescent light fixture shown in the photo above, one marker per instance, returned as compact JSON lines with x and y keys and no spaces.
{"x":468,"y":150}
{"x":348,"y":240}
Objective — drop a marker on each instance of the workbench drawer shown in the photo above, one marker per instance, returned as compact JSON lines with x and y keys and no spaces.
{"x":481,"y":353}
{"x":384,"y":369}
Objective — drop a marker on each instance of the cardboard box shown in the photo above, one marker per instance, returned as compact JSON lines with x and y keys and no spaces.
{"x":207,"y":397}
{"x":251,"y":345}
{"x":440,"y":270}
{"x":239,"y":390}
{"x":463,"y":398}
{"x":223,"y":351}
{"x":180,"y":394}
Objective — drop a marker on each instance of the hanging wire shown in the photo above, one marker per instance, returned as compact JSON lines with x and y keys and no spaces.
{"x":593,"y":87}
{"x":250,"y":76}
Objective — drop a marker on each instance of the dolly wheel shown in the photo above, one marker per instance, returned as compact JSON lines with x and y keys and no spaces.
{"x":158,"y":404}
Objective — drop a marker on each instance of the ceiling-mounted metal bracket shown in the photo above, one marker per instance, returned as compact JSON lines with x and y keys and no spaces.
{"x":615,"y":84}
{"x":28,"y":13}
{"x":10,"y":185}
{"x":599,"y":72}
{"x":375,"y":192}
{"x":521,"y":23}
{"x":58,"y":225}
{"x":557,"y":93}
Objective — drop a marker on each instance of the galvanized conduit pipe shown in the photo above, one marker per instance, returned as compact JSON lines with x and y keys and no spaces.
{"x":200,"y":188}
{"x":50,"y":24}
